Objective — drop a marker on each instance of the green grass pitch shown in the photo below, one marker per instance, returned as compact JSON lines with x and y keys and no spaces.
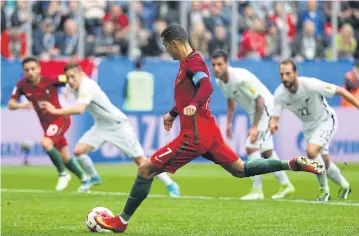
{"x":219,"y":212}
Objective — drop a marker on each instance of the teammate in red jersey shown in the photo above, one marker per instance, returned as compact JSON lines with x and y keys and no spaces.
{"x":199,"y":135}
{"x":37,"y":90}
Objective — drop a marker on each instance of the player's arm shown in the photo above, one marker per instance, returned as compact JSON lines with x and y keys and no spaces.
{"x":348,"y":96}
{"x":275,"y":114}
{"x":13,"y":103}
{"x":231,"y":108}
{"x":205,"y":90}
{"x":83,"y":100}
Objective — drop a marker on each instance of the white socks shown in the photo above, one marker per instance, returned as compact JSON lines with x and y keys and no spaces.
{"x":257,"y":180}
{"x":322,"y":179}
{"x":165,"y":179}
{"x":87,"y":164}
{"x":280,"y":175}
{"x":334,"y":174}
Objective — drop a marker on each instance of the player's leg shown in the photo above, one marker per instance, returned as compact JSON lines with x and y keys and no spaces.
{"x":313,"y":153}
{"x":55,"y":156}
{"x":167,"y":159}
{"x":256,"y":193}
{"x":286,"y":188}
{"x":81,"y":154}
{"x":123,"y":137}
{"x":336,"y":176}
{"x":222,"y":154}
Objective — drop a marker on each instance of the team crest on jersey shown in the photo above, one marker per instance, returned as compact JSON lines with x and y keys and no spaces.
{"x":47,"y":91}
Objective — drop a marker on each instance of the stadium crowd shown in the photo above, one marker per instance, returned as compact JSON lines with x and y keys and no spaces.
{"x":55,"y":28}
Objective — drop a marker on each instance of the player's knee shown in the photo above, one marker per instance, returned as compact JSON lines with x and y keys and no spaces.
{"x":267,"y":154}
{"x":79,"y":151}
{"x":238,"y":173}
{"x":144,"y":171}
{"x":312,"y":151}
{"x":47,"y":144}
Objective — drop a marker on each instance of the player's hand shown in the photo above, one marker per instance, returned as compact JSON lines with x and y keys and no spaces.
{"x":27,"y":106}
{"x":253,"y":134}
{"x":48,"y":107}
{"x":229,"y":131}
{"x":168,"y":121}
{"x":273,"y":126}
{"x":190,"y":110}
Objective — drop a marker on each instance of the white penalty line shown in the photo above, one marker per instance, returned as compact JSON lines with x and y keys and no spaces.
{"x":347,"y":203}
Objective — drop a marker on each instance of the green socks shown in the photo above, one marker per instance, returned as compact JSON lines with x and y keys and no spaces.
{"x":55,"y":157}
{"x":139,"y":192}
{"x":263,"y":166}
{"x":75,"y":168}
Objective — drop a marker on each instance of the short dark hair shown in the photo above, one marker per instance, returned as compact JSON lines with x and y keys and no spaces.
{"x":289,"y":61}
{"x":29,"y":59}
{"x":71,"y":65}
{"x":220,"y":53}
{"x":174,"y":32}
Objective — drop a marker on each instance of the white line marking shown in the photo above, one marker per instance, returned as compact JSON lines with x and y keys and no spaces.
{"x":348,"y":203}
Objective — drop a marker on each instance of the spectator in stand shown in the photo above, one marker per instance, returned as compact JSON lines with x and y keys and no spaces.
{"x":245,"y":20}
{"x":94,"y":11}
{"x":13,"y":44}
{"x":117,"y":16}
{"x":44,"y":40}
{"x":314,"y":15}
{"x":155,"y":47}
{"x":169,"y":11}
{"x":277,"y":19}
{"x":253,"y":43}
{"x":3,"y":17}
{"x":346,"y":43}
{"x":273,"y":47}
{"x":48,"y":9}
{"x":219,"y":41}
{"x":307,"y":45}
{"x":72,"y":12}
{"x":199,"y":38}
{"x":351,"y":83}
{"x":216,"y":18}
{"x":105,"y":43}
{"x":195,"y":14}
{"x":68,"y":40}
{"x":142,"y":36}
{"x":21,"y":15}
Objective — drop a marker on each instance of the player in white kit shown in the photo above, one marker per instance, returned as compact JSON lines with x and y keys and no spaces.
{"x":244,"y":88}
{"x":111,"y":125}
{"x":305,"y":97}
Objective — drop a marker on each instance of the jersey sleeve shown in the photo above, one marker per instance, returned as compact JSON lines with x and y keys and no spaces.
{"x":196,"y":71}
{"x":17,"y":91}
{"x":247,"y":88}
{"x":277,"y":105}
{"x":322,"y":87}
{"x":85,"y":95}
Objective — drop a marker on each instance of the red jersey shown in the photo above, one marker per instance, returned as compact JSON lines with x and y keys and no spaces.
{"x":44,"y":90}
{"x":193,"y":87}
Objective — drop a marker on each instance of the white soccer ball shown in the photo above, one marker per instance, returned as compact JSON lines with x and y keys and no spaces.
{"x":91,"y":222}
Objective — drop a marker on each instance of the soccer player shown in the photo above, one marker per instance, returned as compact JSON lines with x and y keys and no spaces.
{"x":244,"y":88}
{"x":305,"y":97}
{"x":111,"y":125}
{"x":38,"y":90}
{"x":199,"y":135}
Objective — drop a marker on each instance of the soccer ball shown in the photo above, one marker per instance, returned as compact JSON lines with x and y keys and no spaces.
{"x":91,"y":222}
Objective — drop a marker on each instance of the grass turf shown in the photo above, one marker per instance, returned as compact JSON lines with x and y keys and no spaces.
{"x":52,"y":213}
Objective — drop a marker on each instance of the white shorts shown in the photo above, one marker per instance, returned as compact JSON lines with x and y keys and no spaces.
{"x":265,"y":138}
{"x":121,"y":135}
{"x":323,"y":134}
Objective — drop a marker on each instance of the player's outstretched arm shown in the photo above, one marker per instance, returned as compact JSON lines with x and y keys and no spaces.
{"x":348,"y":96}
{"x":13,"y":104}
{"x":79,"y":108}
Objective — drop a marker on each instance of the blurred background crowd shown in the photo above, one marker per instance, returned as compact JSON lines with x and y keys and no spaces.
{"x":248,"y":29}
